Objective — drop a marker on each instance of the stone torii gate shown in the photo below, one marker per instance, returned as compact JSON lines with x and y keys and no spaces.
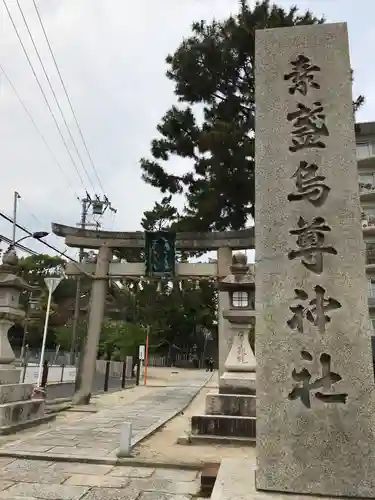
{"x":104,"y":269}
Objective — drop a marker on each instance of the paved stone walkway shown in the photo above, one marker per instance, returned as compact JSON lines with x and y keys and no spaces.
{"x":48,"y":480}
{"x":97,"y":435}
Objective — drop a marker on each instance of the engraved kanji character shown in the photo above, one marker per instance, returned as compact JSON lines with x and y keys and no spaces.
{"x":310,"y":240}
{"x":309,"y":126}
{"x":302,"y":75}
{"x":309,"y":185}
{"x":305,"y":385}
{"x":315,"y":312}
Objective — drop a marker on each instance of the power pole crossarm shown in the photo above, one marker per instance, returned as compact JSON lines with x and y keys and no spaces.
{"x":15,"y":201}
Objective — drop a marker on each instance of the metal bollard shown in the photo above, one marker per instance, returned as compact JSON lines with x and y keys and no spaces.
{"x":62,"y":373}
{"x":24,"y":371}
{"x":44,"y":374}
{"x":106,"y":376}
{"x":138,"y":374}
{"x":123,"y":378}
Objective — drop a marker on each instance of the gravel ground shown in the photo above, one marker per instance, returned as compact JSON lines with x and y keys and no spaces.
{"x":162,"y":446}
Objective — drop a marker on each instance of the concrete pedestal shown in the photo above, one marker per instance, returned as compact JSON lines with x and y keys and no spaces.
{"x":227,"y":416}
{"x":238,"y":383}
{"x":17,"y":408}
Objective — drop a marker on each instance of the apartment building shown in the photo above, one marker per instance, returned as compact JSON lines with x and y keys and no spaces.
{"x":365,"y":140}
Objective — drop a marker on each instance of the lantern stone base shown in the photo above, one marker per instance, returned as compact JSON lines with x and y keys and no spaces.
{"x":227,"y":415}
{"x":9,"y":374}
{"x":17,"y":408}
{"x":224,"y":425}
{"x":238,"y":383}
{"x":11,"y":393}
{"x":242,"y":405}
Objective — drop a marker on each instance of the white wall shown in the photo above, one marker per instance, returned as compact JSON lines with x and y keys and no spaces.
{"x":54,"y":374}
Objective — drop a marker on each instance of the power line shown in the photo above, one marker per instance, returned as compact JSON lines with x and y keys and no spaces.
{"x":67,"y":95}
{"x":43,"y":93}
{"x":53,"y":93}
{"x":18,"y":245}
{"x":39,"y":132}
{"x":40,"y":224}
{"x":27,"y":231}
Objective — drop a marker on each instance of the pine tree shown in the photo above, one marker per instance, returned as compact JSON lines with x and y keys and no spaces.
{"x":213,"y":72}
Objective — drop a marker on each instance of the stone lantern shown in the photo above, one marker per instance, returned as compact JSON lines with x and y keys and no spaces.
{"x":230,"y":412}
{"x":17,"y":408}
{"x":11,"y":287}
{"x":240,"y":365}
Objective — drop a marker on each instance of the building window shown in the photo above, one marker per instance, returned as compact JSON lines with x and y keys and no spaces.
{"x":367,"y":178}
{"x":240,"y":299}
{"x":365,"y":149}
{"x":369,"y":212}
{"x":370,"y":253}
{"x":371,"y":289}
{"x":372,"y":320}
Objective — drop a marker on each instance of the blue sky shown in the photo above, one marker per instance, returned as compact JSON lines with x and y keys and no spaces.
{"x":112,"y":57}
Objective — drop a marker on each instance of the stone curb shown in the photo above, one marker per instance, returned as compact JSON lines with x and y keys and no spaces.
{"x":54,"y":409}
{"x":124,"y":462}
{"x":153,"y":428}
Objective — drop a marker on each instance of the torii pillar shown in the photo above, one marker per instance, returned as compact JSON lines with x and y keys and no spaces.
{"x":96,"y":317}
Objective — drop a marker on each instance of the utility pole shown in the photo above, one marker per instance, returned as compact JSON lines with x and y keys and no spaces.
{"x":98,"y":207}
{"x":16,"y":198}
{"x":82,"y":224}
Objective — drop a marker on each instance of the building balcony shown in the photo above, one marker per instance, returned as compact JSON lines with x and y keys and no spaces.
{"x":371,"y":297}
{"x":370,"y":259}
{"x":368,"y":224}
{"x":370,"y":255}
{"x":366,"y":191}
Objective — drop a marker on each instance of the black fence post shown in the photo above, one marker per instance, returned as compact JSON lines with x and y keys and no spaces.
{"x":24,"y":371}
{"x":138,"y":374}
{"x":44,"y":374}
{"x":106,"y":376}
{"x":62,"y":373}
{"x":123,"y":375}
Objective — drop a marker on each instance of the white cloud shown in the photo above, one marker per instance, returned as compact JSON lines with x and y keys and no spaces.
{"x":112,"y":57}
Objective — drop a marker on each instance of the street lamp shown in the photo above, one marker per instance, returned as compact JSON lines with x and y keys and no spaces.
{"x":38,"y":235}
{"x":52,"y":282}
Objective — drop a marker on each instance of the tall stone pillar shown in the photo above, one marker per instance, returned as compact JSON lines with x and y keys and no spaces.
{"x":224,"y":261}
{"x":97,"y":304}
{"x":315,"y":380}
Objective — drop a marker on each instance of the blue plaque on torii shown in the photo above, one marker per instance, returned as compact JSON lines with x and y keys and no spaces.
{"x":160,"y":252}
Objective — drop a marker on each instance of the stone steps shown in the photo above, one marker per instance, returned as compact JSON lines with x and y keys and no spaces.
{"x":223,"y":425}
{"x":243,"y":405}
{"x":232,"y":441}
{"x":10,"y":393}
{"x":18,"y":426}
{"x":21,"y":411}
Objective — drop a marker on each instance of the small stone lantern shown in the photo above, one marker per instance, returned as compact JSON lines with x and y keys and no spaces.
{"x":11,"y":287}
{"x":230,"y":412}
{"x":17,"y":408}
{"x":240,"y":366}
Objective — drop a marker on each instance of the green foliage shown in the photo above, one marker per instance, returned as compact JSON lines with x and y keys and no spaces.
{"x":175,"y":311}
{"x":214,"y":68}
{"x":63,"y":334}
{"x":161,"y":217}
{"x":119,"y":339}
{"x":34,"y":269}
